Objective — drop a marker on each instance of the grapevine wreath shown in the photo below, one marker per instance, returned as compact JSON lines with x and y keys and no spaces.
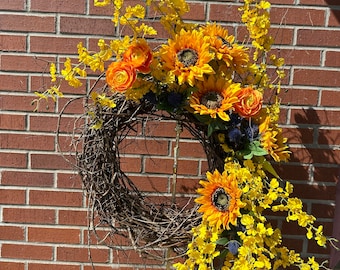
{"x":225,"y":92}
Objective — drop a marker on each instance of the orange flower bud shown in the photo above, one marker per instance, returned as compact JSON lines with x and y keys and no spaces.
{"x":250,"y":102}
{"x":139,"y":56}
{"x":120,"y":76}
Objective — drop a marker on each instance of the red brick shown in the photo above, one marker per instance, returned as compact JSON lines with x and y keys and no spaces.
{"x":314,"y":248}
{"x":13,"y":43}
{"x":25,"y":63}
{"x":40,"y":83}
{"x":72,"y":217}
{"x":51,"y":161}
{"x":319,"y":2}
{"x":70,"y":254}
{"x":12,"y":233}
{"x":15,"y":5}
{"x":65,"y":180}
{"x":292,"y":228}
{"x":189,"y":149}
{"x":311,"y":116}
{"x":224,"y":13}
{"x":299,"y":56}
{"x":316,"y":77}
{"x":146,"y":146}
{"x":15,"y":83}
{"x":314,"y":191}
{"x":131,"y":164}
{"x":196,"y":12}
{"x":99,"y":10}
{"x":88,"y":26}
{"x":297,"y":16}
{"x":164,"y":129}
{"x":71,"y":106}
{"x":282,"y":2}
{"x":22,"y":103}
{"x":327,"y":174}
{"x":329,"y":137}
{"x":9,"y":22}
{"x":50,"y":123}
{"x":12,"y":265}
{"x":315,"y":155}
{"x":292,"y":243}
{"x":89,"y":267}
{"x":55,"y":6}
{"x":299,"y":135}
{"x":332,"y":59}
{"x":56,"y":266}
{"x":333,"y":19}
{"x":13,"y":160}
{"x":330,"y":98}
{"x":156,"y":165}
{"x":323,"y":210}
{"x":65,"y":143}
{"x":290,"y":172}
{"x":31,"y":252}
{"x":29,"y":215}
{"x":12,"y":122}
{"x":52,"y":44}
{"x":187,"y":185}
{"x":27,"y":178}
{"x":318,"y":38}
{"x":53,"y":235}
{"x":150,"y":183}
{"x":132,"y":257}
{"x":43,"y":123}
{"x":26,"y":141}
{"x":12,"y":196}
{"x":55,"y":198}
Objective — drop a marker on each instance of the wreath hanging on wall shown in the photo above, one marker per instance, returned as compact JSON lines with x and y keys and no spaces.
{"x":226,"y":94}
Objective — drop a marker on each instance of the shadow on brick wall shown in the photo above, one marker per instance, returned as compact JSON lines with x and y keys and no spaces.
{"x":335,"y":8}
{"x":311,"y":117}
{"x":318,"y":152}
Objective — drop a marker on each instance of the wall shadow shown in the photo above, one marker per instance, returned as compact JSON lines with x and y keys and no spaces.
{"x":322,"y":141}
{"x":335,"y":8}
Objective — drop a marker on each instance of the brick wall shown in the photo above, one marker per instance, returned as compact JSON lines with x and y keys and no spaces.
{"x":43,"y":215}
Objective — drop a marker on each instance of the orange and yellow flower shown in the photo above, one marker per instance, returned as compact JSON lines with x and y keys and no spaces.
{"x":274,"y":143}
{"x":250,"y":102}
{"x":235,"y":56}
{"x":215,"y":96}
{"x":220,"y":199}
{"x":120,"y":76}
{"x":139,"y":55}
{"x":186,"y":57}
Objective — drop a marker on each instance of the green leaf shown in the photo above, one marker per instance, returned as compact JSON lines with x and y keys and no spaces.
{"x":267,"y":166}
{"x":222,"y":241}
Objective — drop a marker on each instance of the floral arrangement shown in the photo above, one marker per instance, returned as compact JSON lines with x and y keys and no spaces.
{"x":226,"y":90}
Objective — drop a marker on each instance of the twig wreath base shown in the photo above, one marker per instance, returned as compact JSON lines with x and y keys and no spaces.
{"x":113,"y":195}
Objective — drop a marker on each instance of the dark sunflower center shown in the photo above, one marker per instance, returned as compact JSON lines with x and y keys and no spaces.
{"x":221,"y":199}
{"x":188,"y":57}
{"x":212,"y":100}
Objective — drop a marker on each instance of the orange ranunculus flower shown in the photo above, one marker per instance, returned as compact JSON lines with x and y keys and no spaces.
{"x":120,"y":76}
{"x":250,"y":102}
{"x":139,"y":55}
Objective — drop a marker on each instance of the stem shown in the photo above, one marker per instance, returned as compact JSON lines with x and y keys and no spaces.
{"x":178,"y":130}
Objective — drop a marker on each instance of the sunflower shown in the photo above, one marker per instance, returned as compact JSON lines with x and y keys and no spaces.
{"x":214,"y":97}
{"x":187,"y":57}
{"x":233,"y":55}
{"x":220,"y":199}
